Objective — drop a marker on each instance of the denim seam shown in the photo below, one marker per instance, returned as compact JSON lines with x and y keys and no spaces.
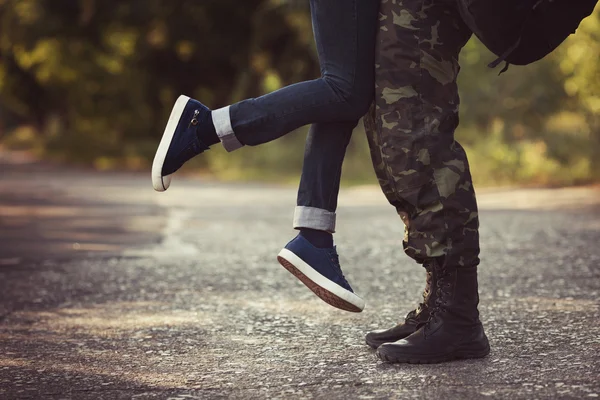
{"x":355,"y":37}
{"x":355,"y":47}
{"x":337,"y":182}
{"x":286,"y":113}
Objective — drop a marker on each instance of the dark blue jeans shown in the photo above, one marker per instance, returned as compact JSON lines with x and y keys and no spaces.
{"x":345,"y":33}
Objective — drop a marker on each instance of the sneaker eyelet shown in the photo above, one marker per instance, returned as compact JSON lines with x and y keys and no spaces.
{"x":195,"y":117}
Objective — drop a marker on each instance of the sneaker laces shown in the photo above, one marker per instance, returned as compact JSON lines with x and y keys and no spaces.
{"x":335,"y":259}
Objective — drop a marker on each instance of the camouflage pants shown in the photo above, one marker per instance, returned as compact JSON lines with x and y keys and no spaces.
{"x":422,"y":170}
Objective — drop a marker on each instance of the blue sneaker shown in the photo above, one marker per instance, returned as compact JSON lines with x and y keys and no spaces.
{"x":180,"y":141}
{"x":319,"y":269}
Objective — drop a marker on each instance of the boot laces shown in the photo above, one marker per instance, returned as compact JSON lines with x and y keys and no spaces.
{"x":441,"y":290}
{"x":414,"y":314}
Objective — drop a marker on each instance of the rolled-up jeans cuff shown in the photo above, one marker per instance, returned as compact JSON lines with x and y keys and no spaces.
{"x":222,"y":122}
{"x":314,"y":218}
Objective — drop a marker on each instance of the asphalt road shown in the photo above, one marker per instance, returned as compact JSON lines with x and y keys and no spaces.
{"x":111,"y":291}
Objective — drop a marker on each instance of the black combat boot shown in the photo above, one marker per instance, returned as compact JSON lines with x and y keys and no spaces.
{"x":453,"y":330}
{"x":412,"y":320}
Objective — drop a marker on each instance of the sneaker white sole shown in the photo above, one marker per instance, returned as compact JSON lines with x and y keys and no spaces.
{"x":330,"y":292}
{"x":159,"y":182}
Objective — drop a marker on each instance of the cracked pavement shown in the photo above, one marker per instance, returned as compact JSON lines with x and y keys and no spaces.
{"x":111,"y":291}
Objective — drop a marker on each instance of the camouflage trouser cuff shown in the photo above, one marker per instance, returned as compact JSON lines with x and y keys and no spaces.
{"x":314,"y":218}
{"x":222,"y":122}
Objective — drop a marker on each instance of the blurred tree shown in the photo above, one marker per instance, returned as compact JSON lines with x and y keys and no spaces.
{"x":535,"y":124}
{"x":99,"y":77}
{"x":94,"y":80}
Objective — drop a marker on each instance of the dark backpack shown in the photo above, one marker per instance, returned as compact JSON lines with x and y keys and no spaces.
{"x":521,"y":32}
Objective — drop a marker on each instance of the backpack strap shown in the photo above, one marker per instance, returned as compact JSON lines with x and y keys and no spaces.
{"x":511,"y":49}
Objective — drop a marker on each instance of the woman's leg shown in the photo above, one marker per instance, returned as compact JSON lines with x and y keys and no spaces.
{"x":327,"y":141}
{"x":345,"y":32}
{"x":311,"y":256}
{"x":320,"y":184}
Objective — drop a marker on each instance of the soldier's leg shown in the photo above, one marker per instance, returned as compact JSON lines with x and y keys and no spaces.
{"x":424,"y":172}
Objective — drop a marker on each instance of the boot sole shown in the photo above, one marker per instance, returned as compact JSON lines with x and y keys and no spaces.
{"x":159,"y":182}
{"x":375,"y":345}
{"x":328,"y":291}
{"x":458,"y":354}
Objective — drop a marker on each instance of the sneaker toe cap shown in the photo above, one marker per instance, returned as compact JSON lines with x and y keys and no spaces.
{"x":161,"y":183}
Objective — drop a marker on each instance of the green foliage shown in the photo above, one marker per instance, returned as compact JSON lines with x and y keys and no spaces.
{"x":538,"y":124}
{"x":92,"y":81}
{"x":96,"y":79}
